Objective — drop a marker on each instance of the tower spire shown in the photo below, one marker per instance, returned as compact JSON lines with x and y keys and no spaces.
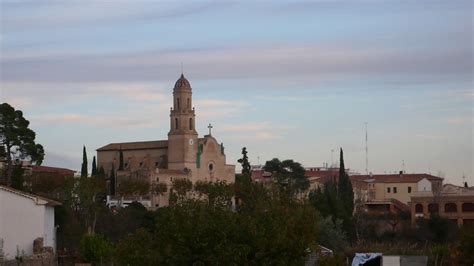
{"x":182,"y":71}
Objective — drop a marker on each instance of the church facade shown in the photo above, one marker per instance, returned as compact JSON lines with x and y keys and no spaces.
{"x":183,"y":155}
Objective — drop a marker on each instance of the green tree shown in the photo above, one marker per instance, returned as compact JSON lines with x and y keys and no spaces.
{"x":136,"y":249}
{"x":121,"y":160}
{"x":95,"y":248}
{"x":244,"y":161}
{"x":182,"y":186}
{"x":94,"y":171}
{"x":132,"y":187}
{"x":101,"y":172}
{"x":89,"y":191}
{"x":345,"y":194}
{"x":290,"y":175}
{"x":17,"y":139}
{"x":18,"y":178}
{"x":217,"y":193}
{"x":113,"y":182}
{"x":84,"y":162}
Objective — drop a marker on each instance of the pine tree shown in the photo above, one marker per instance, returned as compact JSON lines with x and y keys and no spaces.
{"x":84,"y":163}
{"x":94,"y":167}
{"x":113,"y":182}
{"x":120,"y":160}
{"x":244,"y":161}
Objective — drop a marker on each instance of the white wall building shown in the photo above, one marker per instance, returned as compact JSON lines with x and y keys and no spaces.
{"x":23,"y":218}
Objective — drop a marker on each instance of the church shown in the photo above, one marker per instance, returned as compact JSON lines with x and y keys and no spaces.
{"x":183,"y":155}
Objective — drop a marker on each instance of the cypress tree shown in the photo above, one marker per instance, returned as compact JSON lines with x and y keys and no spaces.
{"x":244,"y":161}
{"x":101,"y":172}
{"x":113,"y":181}
{"x":84,"y":163}
{"x":120,"y":160}
{"x":345,"y":192}
{"x":94,"y":167}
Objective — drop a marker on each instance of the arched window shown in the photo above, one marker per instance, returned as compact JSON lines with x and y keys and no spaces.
{"x":189,"y":103}
{"x":418,"y":208}
{"x":176,"y":123}
{"x":178,"y":103}
{"x":450,"y":207}
{"x":468,"y":207}
{"x":433,"y":208}
{"x":190,"y":124}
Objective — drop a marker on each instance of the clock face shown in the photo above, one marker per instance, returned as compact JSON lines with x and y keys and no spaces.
{"x":191,"y":141}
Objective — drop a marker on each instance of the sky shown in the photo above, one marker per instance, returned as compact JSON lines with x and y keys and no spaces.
{"x":292,"y":80}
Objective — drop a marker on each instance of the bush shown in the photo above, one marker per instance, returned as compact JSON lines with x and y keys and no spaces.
{"x":95,"y":248}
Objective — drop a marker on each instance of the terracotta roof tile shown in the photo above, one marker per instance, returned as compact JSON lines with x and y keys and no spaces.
{"x":395,"y":178}
{"x":139,"y":145}
{"x":50,"y":169}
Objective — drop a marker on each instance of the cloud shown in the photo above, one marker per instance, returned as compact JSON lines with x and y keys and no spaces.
{"x":254,"y":131}
{"x":102,"y":120}
{"x":245,"y":61}
{"x":459,"y":120}
{"x":258,"y":136}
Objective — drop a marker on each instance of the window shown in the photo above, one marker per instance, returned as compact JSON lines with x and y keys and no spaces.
{"x":141,"y":164}
{"x":176,"y":123}
{"x":450,"y":207}
{"x":156,"y":164}
{"x":468,"y":207}
{"x":409,"y":189}
{"x":178,"y":103}
{"x":211,"y":167}
{"x":394,"y":189}
{"x":190,"y":124}
{"x":419,"y":208}
{"x":189,"y":103}
{"x":388,"y":190}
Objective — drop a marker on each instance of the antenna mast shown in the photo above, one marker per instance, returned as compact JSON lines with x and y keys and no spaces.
{"x":366,"y":151}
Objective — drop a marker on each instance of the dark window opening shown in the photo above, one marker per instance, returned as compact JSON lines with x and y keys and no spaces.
{"x":450,"y":207}
{"x":190,"y":124}
{"x":394,"y":189}
{"x":141,"y":164}
{"x":211,"y":167}
{"x":178,"y":103}
{"x":388,"y":190}
{"x":176,"y":123}
{"x":189,"y":103}
{"x":409,"y":189}
{"x":468,"y":207}
{"x":418,"y":208}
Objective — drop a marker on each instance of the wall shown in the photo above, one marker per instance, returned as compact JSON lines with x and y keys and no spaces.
{"x":21,"y":221}
{"x":149,"y":156}
{"x":49,"y":229}
{"x":424,"y":185}
{"x":402,"y":191}
{"x":212,"y":154}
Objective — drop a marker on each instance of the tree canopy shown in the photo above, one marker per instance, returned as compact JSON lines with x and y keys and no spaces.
{"x":17,"y":140}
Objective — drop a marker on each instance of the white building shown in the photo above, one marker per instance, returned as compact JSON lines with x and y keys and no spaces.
{"x":23,"y":218}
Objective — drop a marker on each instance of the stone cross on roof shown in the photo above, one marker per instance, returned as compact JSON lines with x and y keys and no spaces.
{"x":210,"y":128}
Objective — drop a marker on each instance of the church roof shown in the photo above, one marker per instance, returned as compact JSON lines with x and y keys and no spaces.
{"x":182,"y":83}
{"x":139,"y":145}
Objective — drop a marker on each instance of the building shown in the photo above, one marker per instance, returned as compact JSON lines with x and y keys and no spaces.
{"x":23,"y":219}
{"x":183,"y":155}
{"x":392,"y":192}
{"x":453,"y":202}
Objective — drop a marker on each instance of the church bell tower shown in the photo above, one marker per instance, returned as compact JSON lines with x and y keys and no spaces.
{"x":182,"y":137}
